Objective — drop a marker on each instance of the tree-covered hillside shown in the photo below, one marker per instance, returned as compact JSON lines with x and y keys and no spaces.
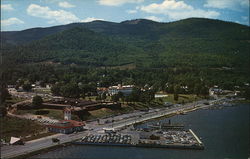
{"x":197,"y":50}
{"x":77,"y":45}
{"x":190,"y":42}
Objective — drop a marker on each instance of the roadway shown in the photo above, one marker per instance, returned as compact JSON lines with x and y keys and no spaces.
{"x":39,"y":144}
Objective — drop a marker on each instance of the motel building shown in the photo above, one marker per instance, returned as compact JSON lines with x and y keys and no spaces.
{"x":67,"y":125}
{"x":126,"y":90}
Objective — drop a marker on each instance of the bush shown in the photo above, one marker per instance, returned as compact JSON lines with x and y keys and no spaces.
{"x":154,"y":137}
{"x":37,"y":101}
{"x":42,"y":112}
{"x":27,"y":87}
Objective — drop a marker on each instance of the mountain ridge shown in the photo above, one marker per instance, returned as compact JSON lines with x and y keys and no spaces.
{"x":193,"y":42}
{"x":110,"y":28}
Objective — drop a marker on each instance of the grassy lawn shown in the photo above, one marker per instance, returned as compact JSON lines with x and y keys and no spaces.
{"x":101,"y":113}
{"x":138,"y":105}
{"x":13,"y":100}
{"x":183,"y":98}
{"x":18,"y":127}
{"x":104,"y":112}
{"x":93,"y":98}
{"x":144,"y":106}
{"x":126,"y":108}
{"x":52,"y":113}
{"x":45,"y":90}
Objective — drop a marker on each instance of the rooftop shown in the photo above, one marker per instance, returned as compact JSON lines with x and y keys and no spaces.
{"x":63,"y":124}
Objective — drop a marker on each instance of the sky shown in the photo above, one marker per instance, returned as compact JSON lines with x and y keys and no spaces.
{"x":24,"y":14}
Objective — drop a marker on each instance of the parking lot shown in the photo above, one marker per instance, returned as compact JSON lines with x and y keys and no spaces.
{"x":108,"y":138}
{"x":41,"y":119}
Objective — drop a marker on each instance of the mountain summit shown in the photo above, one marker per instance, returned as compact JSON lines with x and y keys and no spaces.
{"x":191,"y":42}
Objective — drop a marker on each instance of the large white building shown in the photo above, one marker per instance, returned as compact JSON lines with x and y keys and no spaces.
{"x":126,"y":89}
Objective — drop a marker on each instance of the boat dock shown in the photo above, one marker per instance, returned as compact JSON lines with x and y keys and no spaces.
{"x":178,"y":139}
{"x":198,"y":140}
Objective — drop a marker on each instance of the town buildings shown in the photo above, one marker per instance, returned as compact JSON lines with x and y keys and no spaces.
{"x":112,"y":90}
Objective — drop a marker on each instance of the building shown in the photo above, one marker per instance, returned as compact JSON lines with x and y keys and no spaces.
{"x":67,"y":113}
{"x":161,"y":95}
{"x":215,"y":91}
{"x":126,"y":90}
{"x":66,"y":126}
{"x":101,"y":90}
{"x":16,"y":141}
{"x":11,"y":86}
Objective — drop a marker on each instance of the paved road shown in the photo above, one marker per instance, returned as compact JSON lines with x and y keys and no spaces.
{"x":15,"y":150}
{"x":151,"y":115}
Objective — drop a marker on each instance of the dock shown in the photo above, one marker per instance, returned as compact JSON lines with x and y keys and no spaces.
{"x":180,"y":139}
{"x":198,"y":140}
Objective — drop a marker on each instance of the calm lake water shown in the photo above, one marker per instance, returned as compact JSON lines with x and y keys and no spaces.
{"x":224,"y":132}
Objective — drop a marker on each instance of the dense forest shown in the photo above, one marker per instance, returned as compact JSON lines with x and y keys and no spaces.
{"x":195,"y":52}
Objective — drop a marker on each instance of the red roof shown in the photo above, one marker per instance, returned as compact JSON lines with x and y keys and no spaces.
{"x":102,"y":88}
{"x":64,"y":124}
{"x":67,"y":109}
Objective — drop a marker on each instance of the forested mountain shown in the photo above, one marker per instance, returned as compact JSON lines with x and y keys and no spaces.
{"x":183,"y":51}
{"x":190,"y":42}
{"x":77,"y":45}
{"x":192,"y":27}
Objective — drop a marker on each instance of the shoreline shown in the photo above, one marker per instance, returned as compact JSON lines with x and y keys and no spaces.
{"x":54,"y":147}
{"x":41,"y":151}
{"x":173,"y":146}
{"x":49,"y":149}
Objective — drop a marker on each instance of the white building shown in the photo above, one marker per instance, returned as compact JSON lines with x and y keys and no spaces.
{"x":126,"y":89}
{"x":214,"y":91}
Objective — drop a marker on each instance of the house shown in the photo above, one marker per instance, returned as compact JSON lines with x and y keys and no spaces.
{"x":236,"y":93}
{"x":214,"y":91}
{"x":126,"y":89}
{"x":11,"y":86}
{"x":101,"y":90}
{"x":38,"y":83}
{"x":48,"y":86}
{"x":20,"y":89}
{"x":66,"y":126}
{"x":112,"y":90}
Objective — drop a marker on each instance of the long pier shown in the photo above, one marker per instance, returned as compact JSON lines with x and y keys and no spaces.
{"x":198,"y":140}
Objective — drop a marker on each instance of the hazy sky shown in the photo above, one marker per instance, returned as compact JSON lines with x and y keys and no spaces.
{"x":23,"y":14}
